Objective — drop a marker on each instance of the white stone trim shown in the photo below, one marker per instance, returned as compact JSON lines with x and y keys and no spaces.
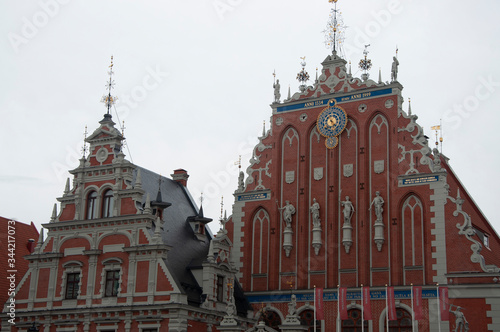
{"x":112,"y":248}
{"x":494,"y":313}
{"x":439,"y":231}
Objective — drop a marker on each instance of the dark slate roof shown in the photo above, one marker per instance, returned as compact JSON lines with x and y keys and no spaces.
{"x":177,"y":232}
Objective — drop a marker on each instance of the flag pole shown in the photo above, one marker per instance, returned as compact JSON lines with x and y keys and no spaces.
{"x":412,"y":311}
{"x":439,"y":308}
{"x":338,"y":307}
{"x":362,"y":311}
{"x":314,"y":308}
{"x":386,"y":308}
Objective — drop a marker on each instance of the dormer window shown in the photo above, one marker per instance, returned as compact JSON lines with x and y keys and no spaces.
{"x":107,"y":204}
{"x":91,"y":205}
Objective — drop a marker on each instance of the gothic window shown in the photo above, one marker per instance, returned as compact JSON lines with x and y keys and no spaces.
{"x":220,"y":288}
{"x":72,"y":285}
{"x":112,"y":283}
{"x":260,"y":243}
{"x":413,"y":232}
{"x":91,"y":205}
{"x":307,"y":319}
{"x":271,"y":319}
{"x":403,"y":324}
{"x":107,"y":204}
{"x":353,"y":322}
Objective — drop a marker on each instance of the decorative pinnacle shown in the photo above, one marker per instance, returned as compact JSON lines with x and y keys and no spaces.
{"x":221,"y":206}
{"x":303,"y":75}
{"x":108,"y":99}
{"x":84,"y":148}
{"x":365,"y":64}
{"x":335,"y":29}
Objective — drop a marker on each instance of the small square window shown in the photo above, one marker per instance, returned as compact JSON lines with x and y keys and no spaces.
{"x":486,"y":241}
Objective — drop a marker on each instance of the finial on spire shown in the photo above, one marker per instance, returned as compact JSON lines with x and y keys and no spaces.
{"x":108,"y":99}
{"x":221,"y":206}
{"x":335,"y":30}
{"x":409,"y":106}
{"x":263,"y":128}
{"x":123,"y":128}
{"x":365,"y":64}
{"x":238,"y":162}
{"x":440,"y":140}
{"x":84,"y":148}
{"x":303,"y":75}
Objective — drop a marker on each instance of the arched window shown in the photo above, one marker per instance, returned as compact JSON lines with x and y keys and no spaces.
{"x":307,"y":319}
{"x":403,"y":324}
{"x":271,"y":318}
{"x":107,"y":204}
{"x":353,"y":321}
{"x":91,"y":205}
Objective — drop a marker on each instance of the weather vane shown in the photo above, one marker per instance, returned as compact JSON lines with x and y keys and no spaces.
{"x":108,"y":99}
{"x":238,"y":162}
{"x":335,"y":29}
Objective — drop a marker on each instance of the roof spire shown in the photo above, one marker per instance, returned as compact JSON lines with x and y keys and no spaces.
{"x":409,"y":106}
{"x":108,"y":99}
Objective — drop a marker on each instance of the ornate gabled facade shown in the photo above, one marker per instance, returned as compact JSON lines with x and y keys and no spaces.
{"x":344,"y":190}
{"x":128,"y":251}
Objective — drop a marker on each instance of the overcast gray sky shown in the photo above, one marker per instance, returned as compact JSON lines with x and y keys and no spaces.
{"x":195,"y":80}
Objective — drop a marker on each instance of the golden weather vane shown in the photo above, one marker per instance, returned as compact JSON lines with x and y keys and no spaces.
{"x":108,"y":99}
{"x":238,"y":162}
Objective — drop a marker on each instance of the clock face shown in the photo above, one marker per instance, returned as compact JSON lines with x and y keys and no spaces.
{"x":331,"y":142}
{"x":331,"y":121}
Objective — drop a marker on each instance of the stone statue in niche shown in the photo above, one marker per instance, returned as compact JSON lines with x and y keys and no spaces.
{"x":277,"y":93}
{"x":461,"y":323}
{"x":288,"y":211}
{"x":394,"y":70}
{"x":378,"y":202}
{"x":241,"y":182}
{"x":292,"y":306}
{"x":315,"y":213}
{"x":348,"y":210}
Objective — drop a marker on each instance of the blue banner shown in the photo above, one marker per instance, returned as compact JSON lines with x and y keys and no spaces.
{"x":324,"y":102}
{"x":333,"y":296}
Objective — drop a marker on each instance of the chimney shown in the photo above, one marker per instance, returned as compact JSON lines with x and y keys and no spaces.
{"x":180,"y":176}
{"x":31,"y":245}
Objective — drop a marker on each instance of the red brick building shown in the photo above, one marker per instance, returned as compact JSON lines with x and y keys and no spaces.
{"x":129,"y":250}
{"x":16,"y":241}
{"x":344,"y":189}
